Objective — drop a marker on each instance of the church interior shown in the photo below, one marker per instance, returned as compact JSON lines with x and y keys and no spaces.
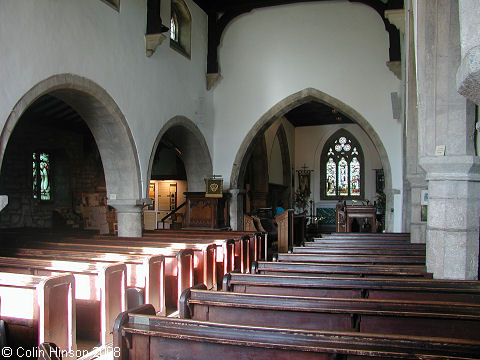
{"x":240,"y":179}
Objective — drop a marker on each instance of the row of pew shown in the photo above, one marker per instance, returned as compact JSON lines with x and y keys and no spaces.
{"x":69,"y":289}
{"x":341,"y":296}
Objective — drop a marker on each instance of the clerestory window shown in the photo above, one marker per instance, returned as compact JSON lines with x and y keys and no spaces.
{"x":180,"y":27}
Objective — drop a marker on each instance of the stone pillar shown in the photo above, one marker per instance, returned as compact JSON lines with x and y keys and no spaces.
{"x":468,"y":75}
{"x":418,"y":228}
{"x":415,"y":176}
{"x":236,"y":209}
{"x":446,"y":148}
{"x":129,"y":217}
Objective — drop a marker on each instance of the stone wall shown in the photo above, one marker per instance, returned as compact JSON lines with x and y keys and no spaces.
{"x":75,"y":168}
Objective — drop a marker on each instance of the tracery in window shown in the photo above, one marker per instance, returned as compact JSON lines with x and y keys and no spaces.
{"x":42,"y":188}
{"x":180,"y":27}
{"x":341,"y":167}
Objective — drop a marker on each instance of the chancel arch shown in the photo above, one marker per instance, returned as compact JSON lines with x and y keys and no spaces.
{"x":283,"y":107}
{"x":109,"y":130}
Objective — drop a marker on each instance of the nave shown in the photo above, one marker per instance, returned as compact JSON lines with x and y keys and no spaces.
{"x":190,"y":294}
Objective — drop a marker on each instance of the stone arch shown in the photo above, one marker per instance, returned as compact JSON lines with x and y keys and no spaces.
{"x":194,"y":151}
{"x":111,"y":133}
{"x":291,"y":102}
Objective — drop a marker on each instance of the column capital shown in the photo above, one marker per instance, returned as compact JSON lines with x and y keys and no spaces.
{"x":236,"y":192}
{"x":127,"y":205}
{"x":459,"y":168}
{"x":417,"y":180}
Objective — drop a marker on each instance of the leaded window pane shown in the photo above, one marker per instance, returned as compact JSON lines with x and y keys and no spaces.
{"x":343,"y":177}
{"x":331,"y":170}
{"x":355,"y":177}
{"x":34,"y":180}
{"x":45,"y":177}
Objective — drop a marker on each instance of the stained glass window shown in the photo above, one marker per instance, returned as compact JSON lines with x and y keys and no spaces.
{"x":331,"y":178}
{"x":41,"y":187}
{"x":355,"y":177}
{"x":342,"y":167}
{"x":343,"y":177}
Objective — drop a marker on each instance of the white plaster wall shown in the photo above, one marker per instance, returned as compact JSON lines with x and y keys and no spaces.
{"x":88,"y":38}
{"x":310,"y":142}
{"x":339,"y":48}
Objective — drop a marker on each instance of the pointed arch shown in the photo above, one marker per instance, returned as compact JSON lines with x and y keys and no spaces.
{"x":292,"y":101}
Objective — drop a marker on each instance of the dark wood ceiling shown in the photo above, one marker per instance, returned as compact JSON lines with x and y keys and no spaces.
{"x":54,"y":113}
{"x":315,"y":113}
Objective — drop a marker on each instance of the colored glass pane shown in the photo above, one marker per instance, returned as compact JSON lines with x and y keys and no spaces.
{"x":34,"y":180}
{"x":347,"y":147}
{"x":331,"y":170}
{"x":355,"y":177}
{"x":342,"y":140}
{"x":44,"y":170}
{"x":343,"y":177}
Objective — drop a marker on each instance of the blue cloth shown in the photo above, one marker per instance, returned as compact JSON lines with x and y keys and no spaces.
{"x":279,"y":210}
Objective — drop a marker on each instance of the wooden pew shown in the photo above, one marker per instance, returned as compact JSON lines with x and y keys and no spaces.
{"x":247,"y":246}
{"x":143,"y":336}
{"x":358,"y":251}
{"x":179,"y":264}
{"x":313,"y":269}
{"x":371,"y":288}
{"x":396,"y":317}
{"x":143,"y":271}
{"x":368,"y":235}
{"x":100,"y":291}
{"x":39,"y":309}
{"x":353,"y":259}
{"x":204,"y":253}
{"x":361,"y":241}
{"x":364,"y":245}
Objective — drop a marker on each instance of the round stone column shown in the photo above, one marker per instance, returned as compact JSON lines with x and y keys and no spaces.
{"x":129,"y":217}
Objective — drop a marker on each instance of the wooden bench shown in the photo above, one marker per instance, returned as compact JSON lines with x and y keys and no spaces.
{"x":353,"y":259}
{"x":412,"y":318}
{"x":143,"y":271}
{"x":371,"y":288}
{"x":247,"y":246}
{"x":143,"y":336}
{"x":363,"y":245}
{"x":100,"y":290}
{"x":358,"y":251}
{"x":368,"y":235}
{"x":361,"y":241}
{"x":179,"y":264}
{"x":39,"y":309}
{"x":256,"y":240}
{"x":313,"y":269}
{"x":204,"y":253}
